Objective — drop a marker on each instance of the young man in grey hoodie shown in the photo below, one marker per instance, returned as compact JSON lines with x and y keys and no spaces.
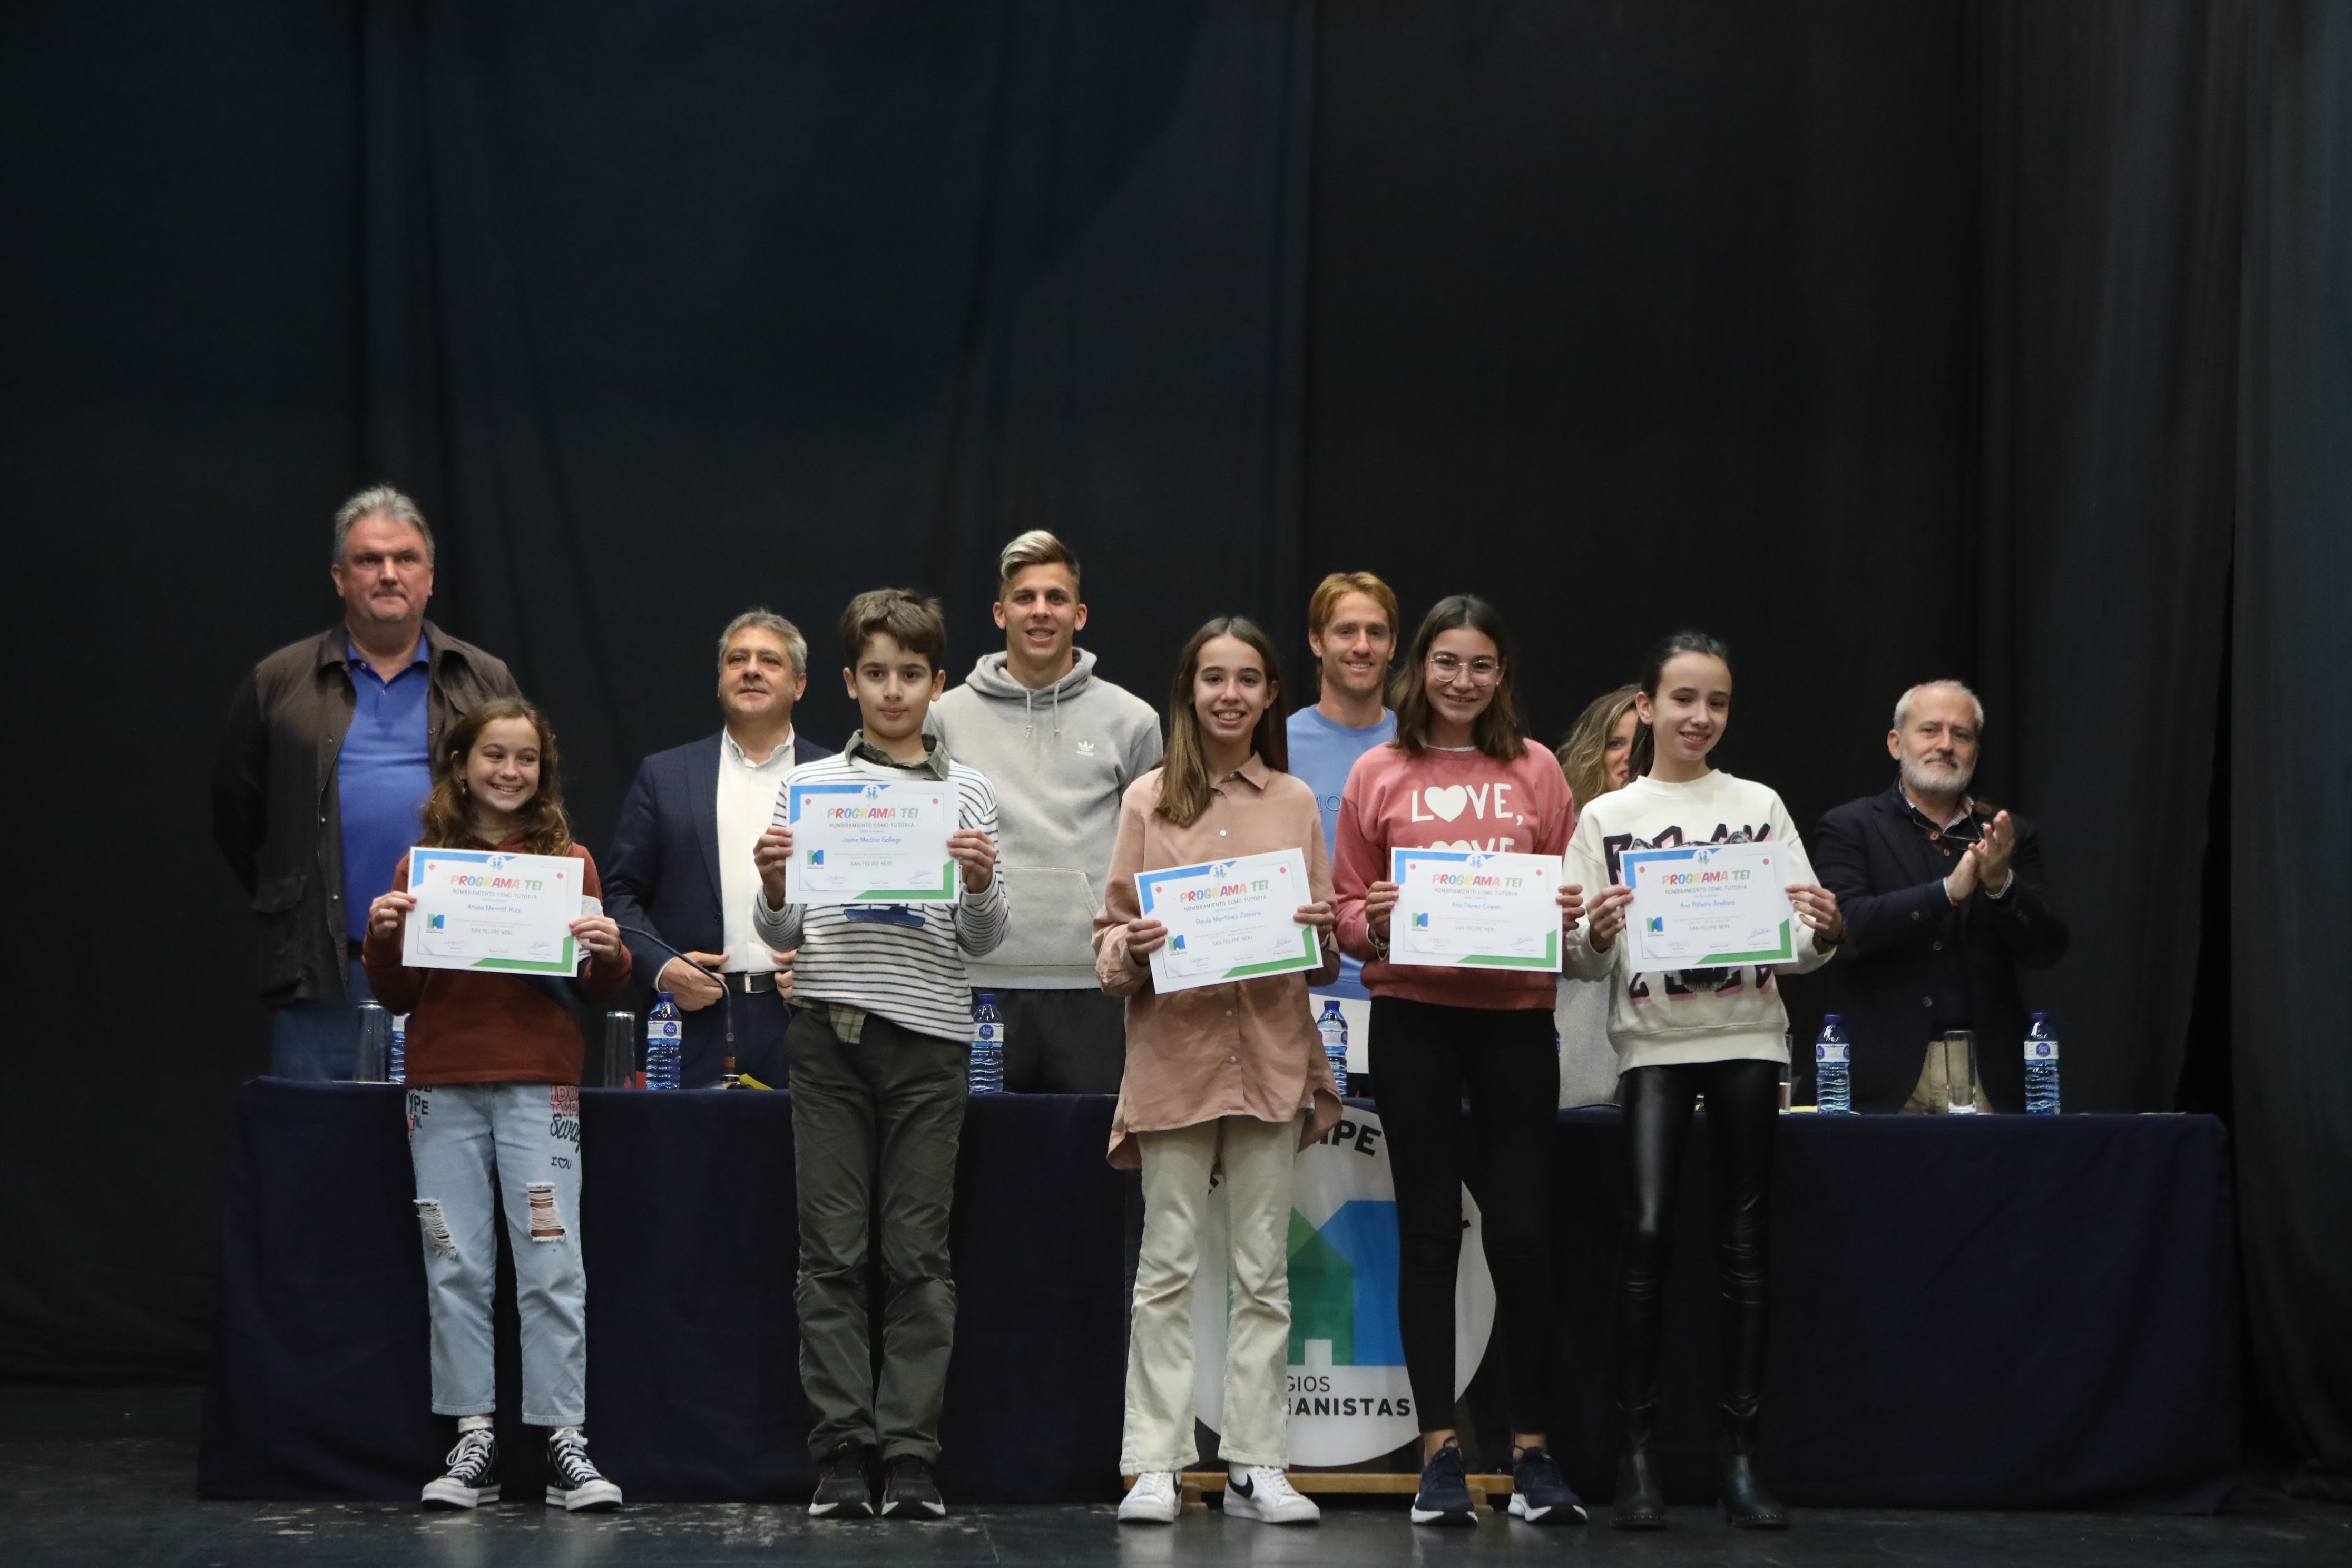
{"x":1061,"y":744}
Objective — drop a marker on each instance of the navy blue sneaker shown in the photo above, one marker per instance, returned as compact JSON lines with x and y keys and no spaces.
{"x":1539,"y":1495}
{"x":1445,"y":1494}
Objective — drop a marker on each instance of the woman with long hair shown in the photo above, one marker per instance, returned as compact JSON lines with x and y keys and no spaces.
{"x":1595,"y":757}
{"x":1720,"y":1032}
{"x":494,"y":1115}
{"x":1221,"y":1080}
{"x":1462,"y":773}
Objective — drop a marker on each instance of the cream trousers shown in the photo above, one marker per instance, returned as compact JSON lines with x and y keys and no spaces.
{"x":1255,"y":1177}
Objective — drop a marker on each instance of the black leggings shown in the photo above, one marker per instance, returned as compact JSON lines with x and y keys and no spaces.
{"x":1424,"y":1057}
{"x":1743,"y":1113}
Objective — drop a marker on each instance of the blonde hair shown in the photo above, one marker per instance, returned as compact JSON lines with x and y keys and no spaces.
{"x":1583,"y":756}
{"x":1035,"y":548}
{"x":1337,"y":586}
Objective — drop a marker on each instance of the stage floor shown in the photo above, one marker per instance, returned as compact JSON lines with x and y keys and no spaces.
{"x":130,"y":1502}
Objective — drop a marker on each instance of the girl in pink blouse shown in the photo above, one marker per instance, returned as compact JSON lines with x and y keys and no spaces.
{"x":1223,"y":1080}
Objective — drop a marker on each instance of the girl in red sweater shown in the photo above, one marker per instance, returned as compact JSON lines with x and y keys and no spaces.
{"x":1462,"y":773}
{"x":494,"y":1116}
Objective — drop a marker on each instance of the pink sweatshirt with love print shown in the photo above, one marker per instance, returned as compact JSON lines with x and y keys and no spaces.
{"x":1459,"y":800}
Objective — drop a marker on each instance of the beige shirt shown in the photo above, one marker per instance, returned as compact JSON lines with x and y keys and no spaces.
{"x":1246,"y":1049}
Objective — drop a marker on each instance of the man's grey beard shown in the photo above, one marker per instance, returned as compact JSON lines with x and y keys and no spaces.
{"x":1919,"y":780}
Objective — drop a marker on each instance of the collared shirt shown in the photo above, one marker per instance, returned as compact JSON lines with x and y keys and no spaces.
{"x":381,"y":777}
{"x":1244,"y":1048}
{"x":1322,"y":751}
{"x":904,"y":961}
{"x":747,"y":804}
{"x":1963,"y":817}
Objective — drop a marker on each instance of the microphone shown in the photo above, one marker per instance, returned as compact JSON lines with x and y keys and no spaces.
{"x":726,"y":996}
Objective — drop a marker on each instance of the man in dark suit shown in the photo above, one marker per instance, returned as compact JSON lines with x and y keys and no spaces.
{"x":1944,"y":899}
{"x":679,"y":864}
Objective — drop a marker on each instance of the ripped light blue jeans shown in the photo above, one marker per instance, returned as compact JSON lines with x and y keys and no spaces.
{"x":480,"y":1149}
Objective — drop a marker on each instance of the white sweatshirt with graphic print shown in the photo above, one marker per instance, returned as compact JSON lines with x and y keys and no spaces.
{"x":1694,"y":1014}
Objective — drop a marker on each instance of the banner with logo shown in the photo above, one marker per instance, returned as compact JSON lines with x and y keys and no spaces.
{"x":1350,"y":1399}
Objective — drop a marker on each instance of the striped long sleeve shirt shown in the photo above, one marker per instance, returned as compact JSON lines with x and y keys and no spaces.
{"x":911,"y":973}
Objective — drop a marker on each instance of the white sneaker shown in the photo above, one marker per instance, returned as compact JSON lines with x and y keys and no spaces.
{"x":1156,"y":1497}
{"x":1264,"y":1493}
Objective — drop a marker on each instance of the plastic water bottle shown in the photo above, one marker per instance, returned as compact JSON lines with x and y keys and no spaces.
{"x":1333,"y":1027}
{"x":396,"y":1061}
{"x":1833,"y":1068}
{"x":2042,"y":1066}
{"x":665,"y":1044}
{"x":987,"y":1046}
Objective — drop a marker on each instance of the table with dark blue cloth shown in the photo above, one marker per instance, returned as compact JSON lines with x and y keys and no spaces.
{"x":1988,"y":1312}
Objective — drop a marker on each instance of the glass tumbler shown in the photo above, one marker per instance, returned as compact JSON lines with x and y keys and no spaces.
{"x":368,"y":1063}
{"x":1961,"y":1072}
{"x":620,"y":1051}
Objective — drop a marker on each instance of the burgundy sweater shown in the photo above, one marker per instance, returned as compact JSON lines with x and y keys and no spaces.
{"x":468,"y":1026}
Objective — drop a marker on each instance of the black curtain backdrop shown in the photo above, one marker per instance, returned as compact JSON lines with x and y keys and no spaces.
{"x":1887,"y":342}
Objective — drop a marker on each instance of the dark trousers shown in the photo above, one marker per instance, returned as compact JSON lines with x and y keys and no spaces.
{"x":1063,"y":1042}
{"x":758,"y":1048}
{"x":875,"y":1129}
{"x":1426,"y":1058}
{"x":1743,"y":1116}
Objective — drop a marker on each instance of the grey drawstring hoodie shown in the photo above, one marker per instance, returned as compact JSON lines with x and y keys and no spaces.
{"x":1059,"y":758}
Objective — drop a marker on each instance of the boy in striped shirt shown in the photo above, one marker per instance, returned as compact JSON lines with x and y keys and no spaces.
{"x":880,"y":1028}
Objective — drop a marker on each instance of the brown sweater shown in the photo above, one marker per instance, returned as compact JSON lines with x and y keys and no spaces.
{"x":470,"y":1027}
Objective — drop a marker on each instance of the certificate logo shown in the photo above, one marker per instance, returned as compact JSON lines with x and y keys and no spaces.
{"x":816,"y":857}
{"x":1655,"y":923}
{"x":436,"y":922}
{"x":872,"y":791}
{"x":1421,"y":919}
{"x":1219,"y":869}
{"x":1177,"y":941}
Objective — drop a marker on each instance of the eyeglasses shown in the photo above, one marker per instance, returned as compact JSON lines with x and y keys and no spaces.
{"x":1482,"y":670}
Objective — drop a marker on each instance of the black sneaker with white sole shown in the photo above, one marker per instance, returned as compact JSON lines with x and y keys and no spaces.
{"x":841,"y":1488}
{"x":1540,"y":1494}
{"x":909,"y":1491}
{"x":473,"y":1475}
{"x":573,"y":1482}
{"x":1443,"y":1496}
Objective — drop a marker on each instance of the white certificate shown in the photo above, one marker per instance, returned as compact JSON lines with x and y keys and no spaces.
{"x":480,"y":909}
{"x":1467,"y":909}
{"x":1230,"y":920}
{"x":870,"y":843}
{"x":1704,"y":906}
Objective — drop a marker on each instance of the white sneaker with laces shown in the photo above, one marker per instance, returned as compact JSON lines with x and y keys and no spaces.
{"x":1156,"y":1497}
{"x":1264,"y":1493}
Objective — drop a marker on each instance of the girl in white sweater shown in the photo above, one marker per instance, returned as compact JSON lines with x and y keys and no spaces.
{"x":1681,"y":1034}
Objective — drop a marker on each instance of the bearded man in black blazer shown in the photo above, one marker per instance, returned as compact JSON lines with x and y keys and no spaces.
{"x":1945,"y":899}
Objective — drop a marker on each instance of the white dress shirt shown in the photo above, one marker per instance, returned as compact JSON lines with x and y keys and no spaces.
{"x":747,"y":804}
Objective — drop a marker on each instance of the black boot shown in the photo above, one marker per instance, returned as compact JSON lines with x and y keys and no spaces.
{"x":1641,"y":1500}
{"x":1747,"y":1502}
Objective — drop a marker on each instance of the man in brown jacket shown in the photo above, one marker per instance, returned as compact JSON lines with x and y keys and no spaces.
{"x":325,"y":765}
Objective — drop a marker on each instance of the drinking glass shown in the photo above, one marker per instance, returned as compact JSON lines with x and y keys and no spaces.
{"x":1961,"y":1072}
{"x":620,"y":1051}
{"x":375,"y":1045}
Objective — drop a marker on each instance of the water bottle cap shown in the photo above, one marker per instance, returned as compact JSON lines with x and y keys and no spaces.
{"x":2039,"y":1017}
{"x":1830,"y":1019}
{"x":986,"y":998}
{"x":662,"y":996}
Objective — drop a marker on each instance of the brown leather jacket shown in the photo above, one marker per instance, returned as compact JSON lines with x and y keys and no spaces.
{"x":276,"y":812}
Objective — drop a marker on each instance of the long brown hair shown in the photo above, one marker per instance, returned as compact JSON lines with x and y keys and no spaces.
{"x":448,"y":815}
{"x":1497,"y":731}
{"x":1184,"y":777}
{"x":1583,"y":756}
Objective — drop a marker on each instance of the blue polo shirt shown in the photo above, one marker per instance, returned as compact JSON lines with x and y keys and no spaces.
{"x":382,"y":779}
{"x":1321,"y":752}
